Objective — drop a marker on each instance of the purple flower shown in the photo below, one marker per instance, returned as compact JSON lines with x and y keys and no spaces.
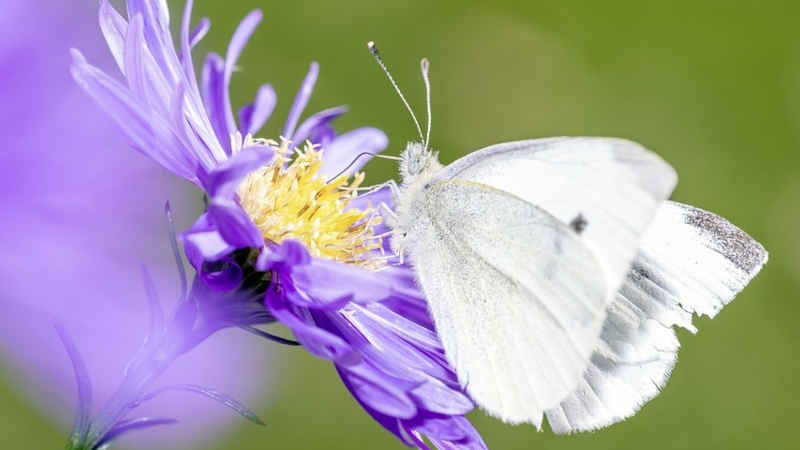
{"x":289,"y":211}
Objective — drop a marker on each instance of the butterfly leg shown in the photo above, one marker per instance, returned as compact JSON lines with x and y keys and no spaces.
{"x":395,"y":190}
{"x":389,"y":215}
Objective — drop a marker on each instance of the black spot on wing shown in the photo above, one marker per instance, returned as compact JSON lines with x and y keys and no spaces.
{"x":579,"y":223}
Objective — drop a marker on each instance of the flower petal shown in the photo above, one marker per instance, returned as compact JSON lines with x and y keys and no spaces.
{"x":157,"y":36}
{"x":471,"y":441}
{"x":348,"y":146}
{"x":436,"y":397}
{"x":114,"y":28}
{"x":301,"y":100}
{"x":316,"y":121}
{"x":223,"y":181}
{"x":253,"y":116}
{"x":383,"y":394}
{"x":315,"y":339}
{"x":213,"y":89}
{"x":283,"y":257}
{"x":240,"y":37}
{"x":199,"y":32}
{"x":233,"y":223}
{"x":326,"y":280}
{"x":203,"y":242}
{"x":322,"y":135}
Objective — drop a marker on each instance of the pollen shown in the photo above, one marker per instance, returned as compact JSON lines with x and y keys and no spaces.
{"x":290,"y":199}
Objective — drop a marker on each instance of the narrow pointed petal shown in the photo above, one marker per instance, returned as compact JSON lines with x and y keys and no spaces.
{"x":213,"y":90}
{"x":300,"y":101}
{"x":114,"y":28}
{"x":315,"y":122}
{"x":199,"y":32}
{"x":253,"y":116}
{"x":235,"y":47}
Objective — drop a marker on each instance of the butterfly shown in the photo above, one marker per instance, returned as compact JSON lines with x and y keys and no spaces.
{"x":556,"y":269}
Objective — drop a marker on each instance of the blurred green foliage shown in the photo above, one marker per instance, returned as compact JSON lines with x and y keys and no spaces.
{"x":712,"y":86}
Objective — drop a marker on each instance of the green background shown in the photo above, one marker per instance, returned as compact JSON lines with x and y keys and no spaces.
{"x":712,"y":86}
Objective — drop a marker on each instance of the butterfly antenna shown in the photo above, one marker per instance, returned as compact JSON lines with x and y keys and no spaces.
{"x":374,"y":50}
{"x":425,"y":65}
{"x":375,"y":155}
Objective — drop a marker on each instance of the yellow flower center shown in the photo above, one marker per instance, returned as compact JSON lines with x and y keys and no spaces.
{"x":294,"y":201}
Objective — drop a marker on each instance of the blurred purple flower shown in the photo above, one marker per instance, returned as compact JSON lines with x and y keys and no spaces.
{"x":316,"y":240}
{"x":79,"y":220}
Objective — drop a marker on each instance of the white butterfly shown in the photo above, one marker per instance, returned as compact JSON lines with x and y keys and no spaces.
{"x":555,"y":270}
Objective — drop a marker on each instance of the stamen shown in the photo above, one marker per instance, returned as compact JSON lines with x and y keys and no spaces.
{"x":290,"y":199}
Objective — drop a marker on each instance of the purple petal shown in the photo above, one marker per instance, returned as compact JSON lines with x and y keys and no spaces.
{"x":283,"y":257}
{"x":383,"y":394}
{"x":316,"y":121}
{"x":253,"y":116}
{"x":438,"y":398}
{"x":203,"y":242}
{"x":316,"y":340}
{"x":156,"y":35}
{"x":471,"y":441}
{"x":391,"y":315}
{"x":387,"y":345}
{"x":213,"y":88}
{"x":441,"y":428}
{"x":233,"y":223}
{"x":301,"y":299}
{"x":224,"y":180}
{"x":374,"y":199}
{"x":199,"y":32}
{"x":134,"y":47}
{"x":343,"y":150}
{"x":322,"y":135}
{"x":114,"y":28}
{"x":301,"y":100}
{"x":238,"y":41}
{"x":327,"y":280}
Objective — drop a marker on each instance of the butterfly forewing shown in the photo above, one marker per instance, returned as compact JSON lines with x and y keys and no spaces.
{"x":611,"y":188}
{"x":517,"y":297}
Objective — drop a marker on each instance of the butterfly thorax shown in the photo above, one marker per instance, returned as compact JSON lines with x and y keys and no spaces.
{"x":417,"y":167}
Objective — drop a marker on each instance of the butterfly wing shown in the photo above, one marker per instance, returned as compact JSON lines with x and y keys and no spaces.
{"x":517,"y":298}
{"x":613,"y":186}
{"x":691,"y":261}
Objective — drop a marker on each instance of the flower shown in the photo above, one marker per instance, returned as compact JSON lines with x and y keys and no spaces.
{"x":286,"y":210}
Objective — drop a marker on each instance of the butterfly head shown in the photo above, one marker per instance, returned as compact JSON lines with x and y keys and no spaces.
{"x":415,"y":160}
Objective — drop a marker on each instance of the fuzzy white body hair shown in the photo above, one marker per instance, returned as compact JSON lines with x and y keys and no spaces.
{"x":418,"y":166}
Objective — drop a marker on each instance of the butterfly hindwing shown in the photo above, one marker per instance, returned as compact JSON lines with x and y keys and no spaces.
{"x":691,"y":261}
